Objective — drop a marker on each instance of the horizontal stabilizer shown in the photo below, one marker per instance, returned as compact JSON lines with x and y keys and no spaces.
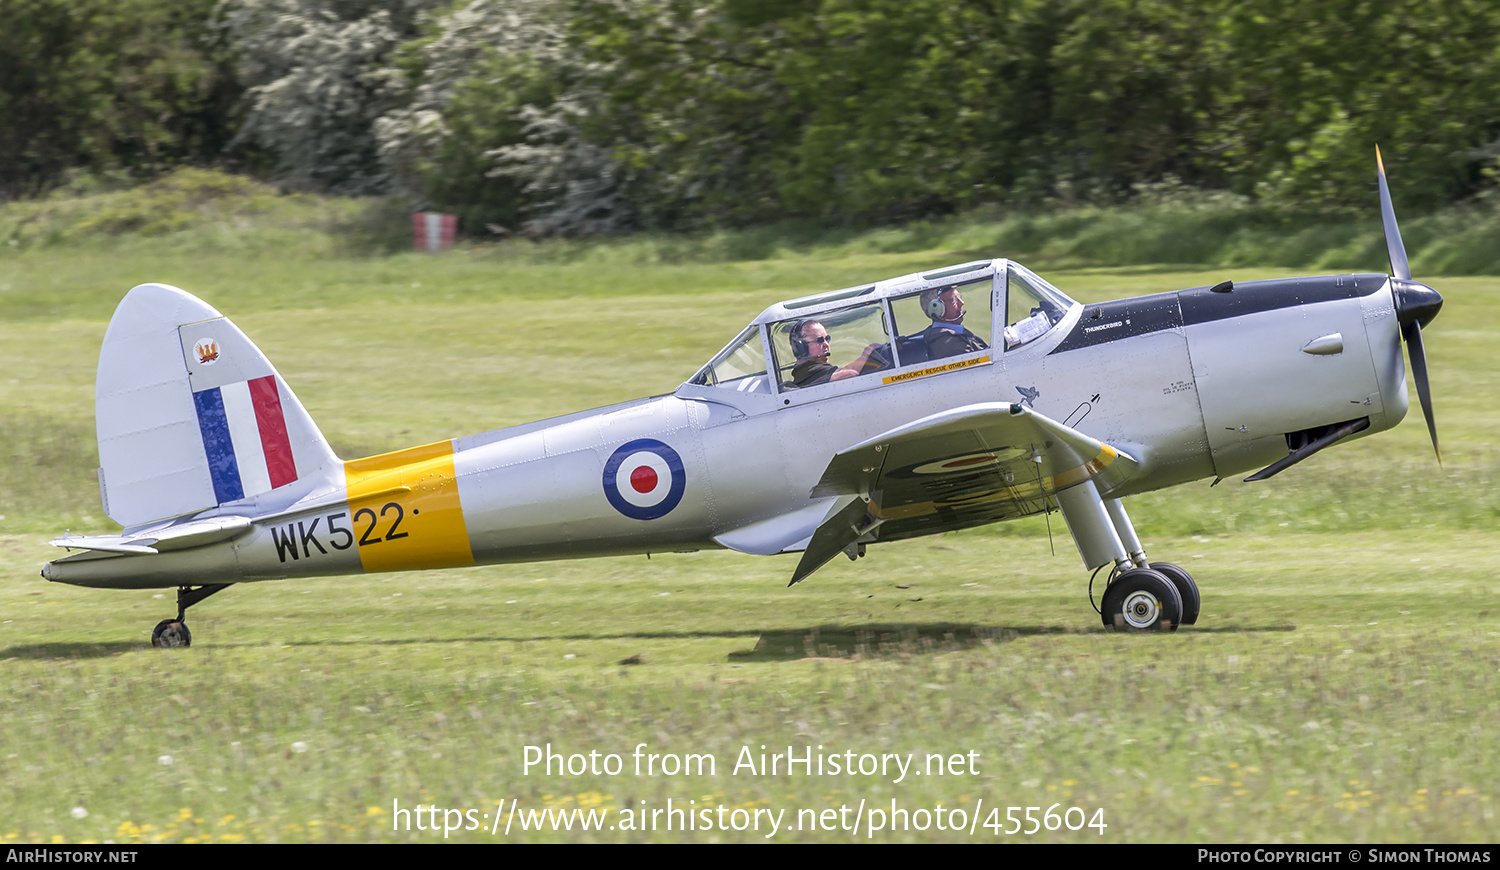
{"x":107,"y":544}
{"x":182,"y":536}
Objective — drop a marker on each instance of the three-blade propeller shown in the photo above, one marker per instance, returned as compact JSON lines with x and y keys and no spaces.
{"x":1416,"y":304}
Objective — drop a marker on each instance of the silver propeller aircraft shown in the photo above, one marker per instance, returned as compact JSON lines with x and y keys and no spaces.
{"x":946,"y":399}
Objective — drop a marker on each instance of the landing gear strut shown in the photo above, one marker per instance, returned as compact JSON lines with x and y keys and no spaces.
{"x":1141,"y":596}
{"x":174,"y":632}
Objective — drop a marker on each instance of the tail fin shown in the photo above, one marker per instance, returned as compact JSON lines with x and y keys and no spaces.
{"x":192,"y":415}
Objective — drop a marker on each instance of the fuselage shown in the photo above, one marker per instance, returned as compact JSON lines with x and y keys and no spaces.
{"x":1200,"y":383}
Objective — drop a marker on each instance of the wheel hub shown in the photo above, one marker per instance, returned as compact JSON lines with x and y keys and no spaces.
{"x":1141,"y":609}
{"x":171,"y":634}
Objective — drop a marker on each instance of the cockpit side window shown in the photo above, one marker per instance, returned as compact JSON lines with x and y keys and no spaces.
{"x":1032,"y":307}
{"x":740,"y":366}
{"x":831,"y":346}
{"x":943,"y":321}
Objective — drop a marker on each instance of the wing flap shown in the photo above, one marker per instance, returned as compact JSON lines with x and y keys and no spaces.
{"x":840,"y":533}
{"x":779,"y":534}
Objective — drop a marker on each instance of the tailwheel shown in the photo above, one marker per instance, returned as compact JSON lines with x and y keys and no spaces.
{"x":171,"y":633}
{"x":1142,"y":599}
{"x":1186,"y":588}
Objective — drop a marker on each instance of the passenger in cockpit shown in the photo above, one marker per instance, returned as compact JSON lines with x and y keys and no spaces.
{"x":947,"y":335}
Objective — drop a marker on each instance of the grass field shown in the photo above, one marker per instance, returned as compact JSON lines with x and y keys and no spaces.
{"x":1341,"y":685}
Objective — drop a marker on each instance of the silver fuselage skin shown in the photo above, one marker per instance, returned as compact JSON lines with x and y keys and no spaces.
{"x":1193,"y":384}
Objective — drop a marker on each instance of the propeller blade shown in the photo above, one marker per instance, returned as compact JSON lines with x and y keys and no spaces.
{"x":1400,"y":268}
{"x":1412,"y":332}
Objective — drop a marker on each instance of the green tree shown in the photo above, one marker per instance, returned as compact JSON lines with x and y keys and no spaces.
{"x":319,"y":73}
{"x":1313,"y":88}
{"x":477,"y":77}
{"x":911,"y":108}
{"x":108,"y":84}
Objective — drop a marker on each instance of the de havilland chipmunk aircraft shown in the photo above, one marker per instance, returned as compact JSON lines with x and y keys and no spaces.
{"x":905,"y":407}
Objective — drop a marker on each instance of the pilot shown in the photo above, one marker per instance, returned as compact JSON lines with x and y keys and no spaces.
{"x":947,"y":335}
{"x":812,"y":346}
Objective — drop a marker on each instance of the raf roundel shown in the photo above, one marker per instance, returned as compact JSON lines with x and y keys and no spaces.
{"x":962,"y":462}
{"x":644,"y":479}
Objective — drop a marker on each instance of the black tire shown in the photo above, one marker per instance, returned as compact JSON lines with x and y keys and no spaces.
{"x":1142,"y":600}
{"x":171,"y":633}
{"x":1186,"y":588}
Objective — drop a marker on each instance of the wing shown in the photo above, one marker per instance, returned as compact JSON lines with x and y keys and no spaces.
{"x":964,"y":467}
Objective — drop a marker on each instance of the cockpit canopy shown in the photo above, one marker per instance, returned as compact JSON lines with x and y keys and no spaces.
{"x":961,"y":315}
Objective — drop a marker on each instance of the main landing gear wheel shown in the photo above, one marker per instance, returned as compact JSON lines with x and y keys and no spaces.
{"x":1142,"y":600}
{"x":171,"y":633}
{"x":1186,"y":588}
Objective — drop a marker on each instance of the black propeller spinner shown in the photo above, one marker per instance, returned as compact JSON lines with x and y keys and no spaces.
{"x":1416,"y":303}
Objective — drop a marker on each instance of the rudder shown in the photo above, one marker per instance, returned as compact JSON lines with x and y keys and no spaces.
{"x":191,"y":415}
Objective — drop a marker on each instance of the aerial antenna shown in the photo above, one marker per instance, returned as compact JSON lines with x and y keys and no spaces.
{"x":1046,"y":511}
